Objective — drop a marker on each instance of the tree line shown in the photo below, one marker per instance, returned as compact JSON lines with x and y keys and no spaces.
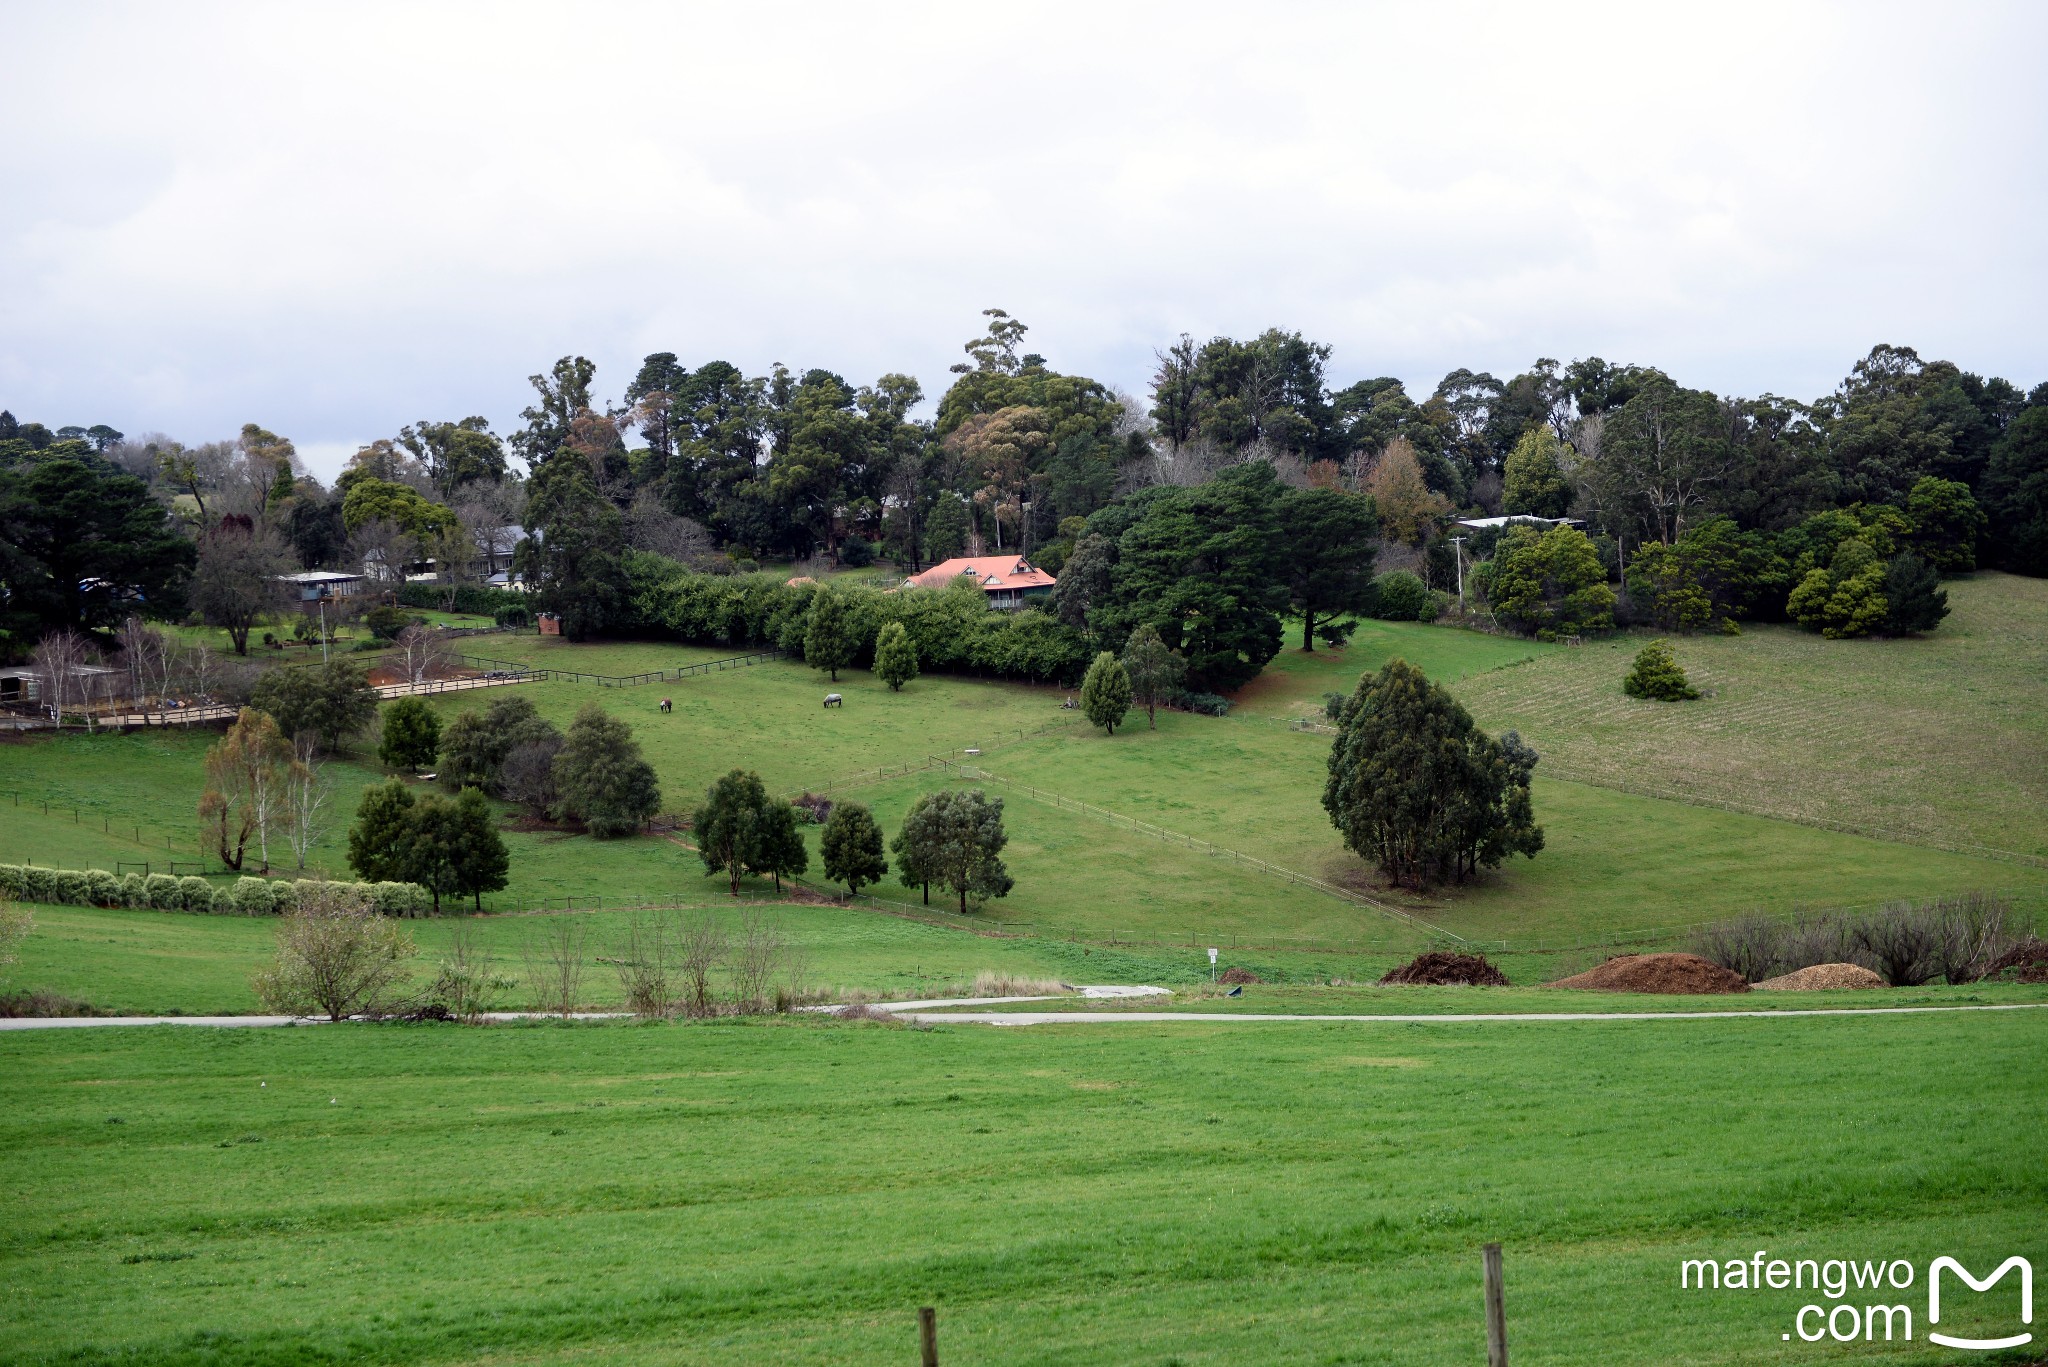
{"x":716,"y":470}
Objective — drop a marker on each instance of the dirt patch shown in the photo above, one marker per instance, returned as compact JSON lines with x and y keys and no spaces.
{"x":1239,"y":975}
{"x":1446,"y":968}
{"x":2026,"y":962}
{"x":1822,"y":977}
{"x":1679,"y":974}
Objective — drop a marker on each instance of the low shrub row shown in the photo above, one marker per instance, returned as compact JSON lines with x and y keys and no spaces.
{"x":470,"y":598}
{"x":1955,"y":939}
{"x":163,"y":892}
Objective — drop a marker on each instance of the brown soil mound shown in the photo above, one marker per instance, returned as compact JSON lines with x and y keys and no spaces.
{"x":2026,"y":962}
{"x":1239,"y":975}
{"x":1687,"y":974}
{"x":1443,"y":968}
{"x":1821,"y":977}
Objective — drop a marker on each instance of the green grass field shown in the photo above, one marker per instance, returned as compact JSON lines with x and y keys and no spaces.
{"x":1939,"y":739}
{"x":1616,"y":864}
{"x":1191,"y":1194}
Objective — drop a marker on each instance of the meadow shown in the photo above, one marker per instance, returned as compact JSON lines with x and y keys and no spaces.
{"x":1618,"y":865}
{"x":790,"y":1192}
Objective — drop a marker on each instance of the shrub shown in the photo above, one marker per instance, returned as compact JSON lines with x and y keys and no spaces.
{"x":1658,"y":676}
{"x":13,"y":883}
{"x":134,"y":891}
{"x":513,"y":615}
{"x":102,"y":889}
{"x":335,"y":955}
{"x":39,"y":885}
{"x":1903,"y":941}
{"x":397,"y":899}
{"x":1399,"y":596}
{"x":70,"y":888}
{"x":252,"y":897}
{"x":196,"y":893}
{"x":1207,"y":704}
{"x":164,"y":892}
{"x":856,"y":552}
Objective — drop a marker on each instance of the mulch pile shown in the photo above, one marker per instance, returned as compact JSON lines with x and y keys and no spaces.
{"x":2026,"y":962}
{"x":1821,"y":977}
{"x":1239,"y":975}
{"x":1444,"y":968}
{"x":1684,"y":974}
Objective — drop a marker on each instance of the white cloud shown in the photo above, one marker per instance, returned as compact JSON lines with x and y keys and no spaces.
{"x":336,"y":221}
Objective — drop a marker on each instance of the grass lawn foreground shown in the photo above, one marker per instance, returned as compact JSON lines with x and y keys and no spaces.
{"x":790,"y":1193}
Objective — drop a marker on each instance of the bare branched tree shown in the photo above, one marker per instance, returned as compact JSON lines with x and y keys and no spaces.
{"x":146,"y":654}
{"x":650,"y":526}
{"x":424,"y":653}
{"x":701,"y":947}
{"x":757,"y":955}
{"x":305,"y":798}
{"x":554,"y":966}
{"x":646,"y":964}
{"x":59,"y":659}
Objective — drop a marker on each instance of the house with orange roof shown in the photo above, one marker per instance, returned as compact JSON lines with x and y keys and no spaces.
{"x":1010,"y":581}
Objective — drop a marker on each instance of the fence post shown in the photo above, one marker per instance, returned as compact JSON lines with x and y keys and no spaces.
{"x":1496,"y":1312}
{"x":928,"y":1336}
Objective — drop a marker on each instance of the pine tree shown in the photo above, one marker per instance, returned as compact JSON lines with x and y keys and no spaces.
{"x":412,"y":735}
{"x":380,"y":841}
{"x":852,"y":846}
{"x":1657,"y":675}
{"x":829,"y":640}
{"x":895,"y":657}
{"x":1418,"y":789}
{"x":1106,"y":692}
{"x":601,"y":777}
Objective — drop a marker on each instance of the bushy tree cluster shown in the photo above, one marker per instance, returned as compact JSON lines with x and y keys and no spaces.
{"x":450,"y":847}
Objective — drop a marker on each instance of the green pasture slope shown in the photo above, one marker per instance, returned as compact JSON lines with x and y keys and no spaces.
{"x":1194,"y":1194}
{"x":1617,"y":864}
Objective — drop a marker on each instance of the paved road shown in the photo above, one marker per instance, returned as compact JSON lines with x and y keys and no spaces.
{"x":933,"y":1013}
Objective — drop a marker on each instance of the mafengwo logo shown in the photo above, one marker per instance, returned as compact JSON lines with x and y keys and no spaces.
{"x":1865,"y":1317}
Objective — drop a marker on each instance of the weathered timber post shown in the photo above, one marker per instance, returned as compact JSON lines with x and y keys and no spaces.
{"x":1496,"y":1312}
{"x":928,"y":1336}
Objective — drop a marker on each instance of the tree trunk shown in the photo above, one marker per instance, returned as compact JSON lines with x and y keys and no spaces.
{"x":927,"y":894}
{"x":1308,"y":632}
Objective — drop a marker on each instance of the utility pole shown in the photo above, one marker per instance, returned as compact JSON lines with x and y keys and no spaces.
{"x":323,"y":625}
{"x":1458,"y":544}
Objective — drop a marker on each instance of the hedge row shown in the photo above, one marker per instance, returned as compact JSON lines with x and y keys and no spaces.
{"x":954,"y":629}
{"x":163,"y":892}
{"x":470,"y":598}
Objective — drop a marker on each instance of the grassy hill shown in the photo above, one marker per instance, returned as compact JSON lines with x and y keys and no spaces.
{"x":1943,"y":735}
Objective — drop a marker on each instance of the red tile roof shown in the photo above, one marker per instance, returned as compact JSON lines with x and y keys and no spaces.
{"x":992,"y":572}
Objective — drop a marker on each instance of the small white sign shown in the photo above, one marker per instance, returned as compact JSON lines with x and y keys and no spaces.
{"x":1212,"y":956}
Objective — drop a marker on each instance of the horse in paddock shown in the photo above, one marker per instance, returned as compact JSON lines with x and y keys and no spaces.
{"x":834,"y":700}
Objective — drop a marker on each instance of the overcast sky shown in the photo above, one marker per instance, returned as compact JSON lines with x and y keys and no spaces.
{"x":335,"y":220}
